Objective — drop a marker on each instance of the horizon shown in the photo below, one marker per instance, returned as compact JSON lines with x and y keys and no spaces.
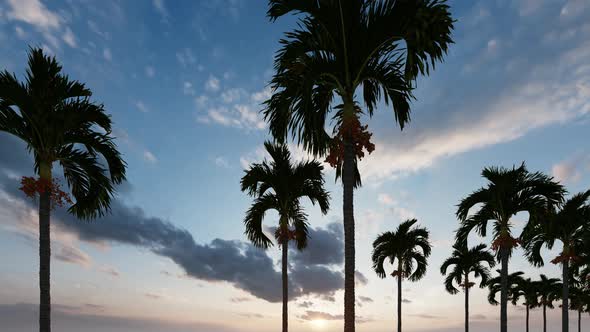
{"x":184,"y":81}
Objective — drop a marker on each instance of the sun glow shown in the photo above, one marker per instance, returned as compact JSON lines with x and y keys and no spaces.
{"x":318,"y":324}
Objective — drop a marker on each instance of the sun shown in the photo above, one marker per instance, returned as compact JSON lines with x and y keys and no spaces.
{"x":318,"y":324}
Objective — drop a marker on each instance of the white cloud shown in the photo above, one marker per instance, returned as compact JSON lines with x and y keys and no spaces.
{"x":69,"y":38}
{"x":20,"y":33}
{"x":141,"y":107}
{"x":212,"y":84}
{"x":150,"y":71}
{"x":149,"y":157}
{"x":201,"y":100}
{"x":161,"y":8}
{"x":571,"y":170}
{"x":35,"y":13}
{"x":221,"y":162}
{"x":232,"y":95}
{"x":110,"y":270}
{"x":187,"y":88}
{"x":106,"y":53}
{"x":395,"y":208}
{"x":261,"y":96}
{"x":186,"y":57}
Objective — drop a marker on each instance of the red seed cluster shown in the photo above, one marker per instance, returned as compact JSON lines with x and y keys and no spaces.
{"x":571,"y":257}
{"x":31,"y":187}
{"x":282,"y":234}
{"x":505,"y":241}
{"x":360,"y":137}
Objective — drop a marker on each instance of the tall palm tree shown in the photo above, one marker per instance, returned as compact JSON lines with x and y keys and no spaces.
{"x":549,"y":290}
{"x":407,"y":247}
{"x":526,"y":289}
{"x":59,"y":123}
{"x":580,"y":302}
{"x":465,"y":262}
{"x":508,"y":192}
{"x":280,"y":185}
{"x":339,"y":47}
{"x":567,"y":225}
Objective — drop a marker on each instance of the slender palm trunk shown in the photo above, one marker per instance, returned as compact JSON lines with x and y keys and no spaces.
{"x":285,"y":249}
{"x":466,"y":303}
{"x":527,"y":317}
{"x":579,"y":320}
{"x":399,"y":300}
{"x":348,"y":172}
{"x":565,"y":317}
{"x":44,"y":253}
{"x":504,"y":291}
{"x":544,"y":317}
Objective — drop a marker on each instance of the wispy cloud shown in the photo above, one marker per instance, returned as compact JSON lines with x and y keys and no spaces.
{"x":571,"y":170}
{"x":212,"y":84}
{"x":150,"y":71}
{"x":141,"y":106}
{"x":150,"y":157}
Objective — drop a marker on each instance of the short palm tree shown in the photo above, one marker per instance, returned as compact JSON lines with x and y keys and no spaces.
{"x":526,"y":289}
{"x":339,"y":47}
{"x":580,"y":302}
{"x":567,"y":225}
{"x":508,"y":192}
{"x":280,"y":185}
{"x":406,"y":248}
{"x":549,"y":290}
{"x":495,"y":286}
{"x":466,"y":261}
{"x":59,"y":123}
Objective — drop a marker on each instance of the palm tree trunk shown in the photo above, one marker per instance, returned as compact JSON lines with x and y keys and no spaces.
{"x":565,"y":319}
{"x":579,"y":320}
{"x":544,"y":317}
{"x":527,"y":318}
{"x":285,"y":284}
{"x":399,"y":300}
{"x":504,"y":290}
{"x":44,"y":253}
{"x":466,"y":303}
{"x":348,"y":173}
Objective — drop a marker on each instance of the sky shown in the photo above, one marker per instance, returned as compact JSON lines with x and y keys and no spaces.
{"x":183,"y":81}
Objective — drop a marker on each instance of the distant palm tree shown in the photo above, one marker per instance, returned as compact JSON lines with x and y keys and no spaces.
{"x":407,"y":247}
{"x":580,"y":302}
{"x":466,"y":261}
{"x":56,"y":119}
{"x":549,"y":290}
{"x":508,"y":192}
{"x":280,"y":185}
{"x":568,"y":225}
{"x":495,"y":286}
{"x":339,"y":47}
{"x":526,"y":289}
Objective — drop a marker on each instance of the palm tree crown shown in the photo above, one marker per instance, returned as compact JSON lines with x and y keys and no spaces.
{"x":465,"y":261}
{"x":280,"y":185}
{"x":494,"y":286}
{"x":57,"y":120}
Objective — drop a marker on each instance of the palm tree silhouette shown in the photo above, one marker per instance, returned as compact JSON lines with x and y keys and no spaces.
{"x":495,"y":286}
{"x":280,"y":185}
{"x":580,"y":302}
{"x":567,"y":225}
{"x":409,"y":248}
{"x":338,"y":47}
{"x":464,"y":262}
{"x":59,"y":123}
{"x":526,"y":289}
{"x":549,"y":290}
{"x":508,"y":192}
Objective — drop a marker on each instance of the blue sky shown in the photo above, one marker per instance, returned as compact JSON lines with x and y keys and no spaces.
{"x":183,"y":81}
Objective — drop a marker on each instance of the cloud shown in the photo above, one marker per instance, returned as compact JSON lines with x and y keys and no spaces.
{"x":305,"y":304}
{"x":106,"y":53}
{"x":240,"y":299}
{"x":319,"y":315}
{"x":232,"y":95}
{"x":150,"y":71}
{"x":571,"y":170}
{"x":161,"y":9}
{"x":20,"y":33}
{"x":110,"y":271}
{"x":221,"y":162}
{"x":365,"y":299}
{"x":186,"y":57}
{"x":360,"y":279}
{"x":187,"y":88}
{"x":406,"y":301}
{"x":141,"y":107}
{"x":69,"y":38}
{"x":149,"y":157}
{"x":325,"y":247}
{"x":73,"y":255}
{"x":426,"y":316}
{"x":35,"y":13}
{"x":153,"y":296}
{"x":212,"y":84}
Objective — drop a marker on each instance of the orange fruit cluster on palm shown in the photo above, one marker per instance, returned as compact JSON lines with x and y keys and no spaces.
{"x":360,"y":137}
{"x":505,"y":241}
{"x":31,"y":187}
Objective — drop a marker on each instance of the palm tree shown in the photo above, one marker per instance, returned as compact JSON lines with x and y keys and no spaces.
{"x":59,"y":123}
{"x":526,"y":289}
{"x":280,"y":185}
{"x":549,"y":290}
{"x":495,"y":286}
{"x":338,"y":47}
{"x":580,"y":301}
{"x":407,"y":247}
{"x":508,"y":192}
{"x":466,"y":261}
{"x":567,"y":225}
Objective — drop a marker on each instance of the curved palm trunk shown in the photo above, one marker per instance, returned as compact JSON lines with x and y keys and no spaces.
{"x":504,"y":291}
{"x":565,"y":302}
{"x":527,"y":318}
{"x":466,"y":303}
{"x":285,"y":248}
{"x":544,"y":317}
{"x":349,"y":250}
{"x":399,"y":301}
{"x":44,"y":253}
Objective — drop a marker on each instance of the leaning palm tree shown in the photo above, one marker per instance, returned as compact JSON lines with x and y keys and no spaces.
{"x":339,"y":47}
{"x":407,"y":247}
{"x":526,"y":289}
{"x":567,"y":225}
{"x":549,"y":290}
{"x":280,"y":185}
{"x":508,"y":192}
{"x":59,"y":123}
{"x":466,"y":261}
